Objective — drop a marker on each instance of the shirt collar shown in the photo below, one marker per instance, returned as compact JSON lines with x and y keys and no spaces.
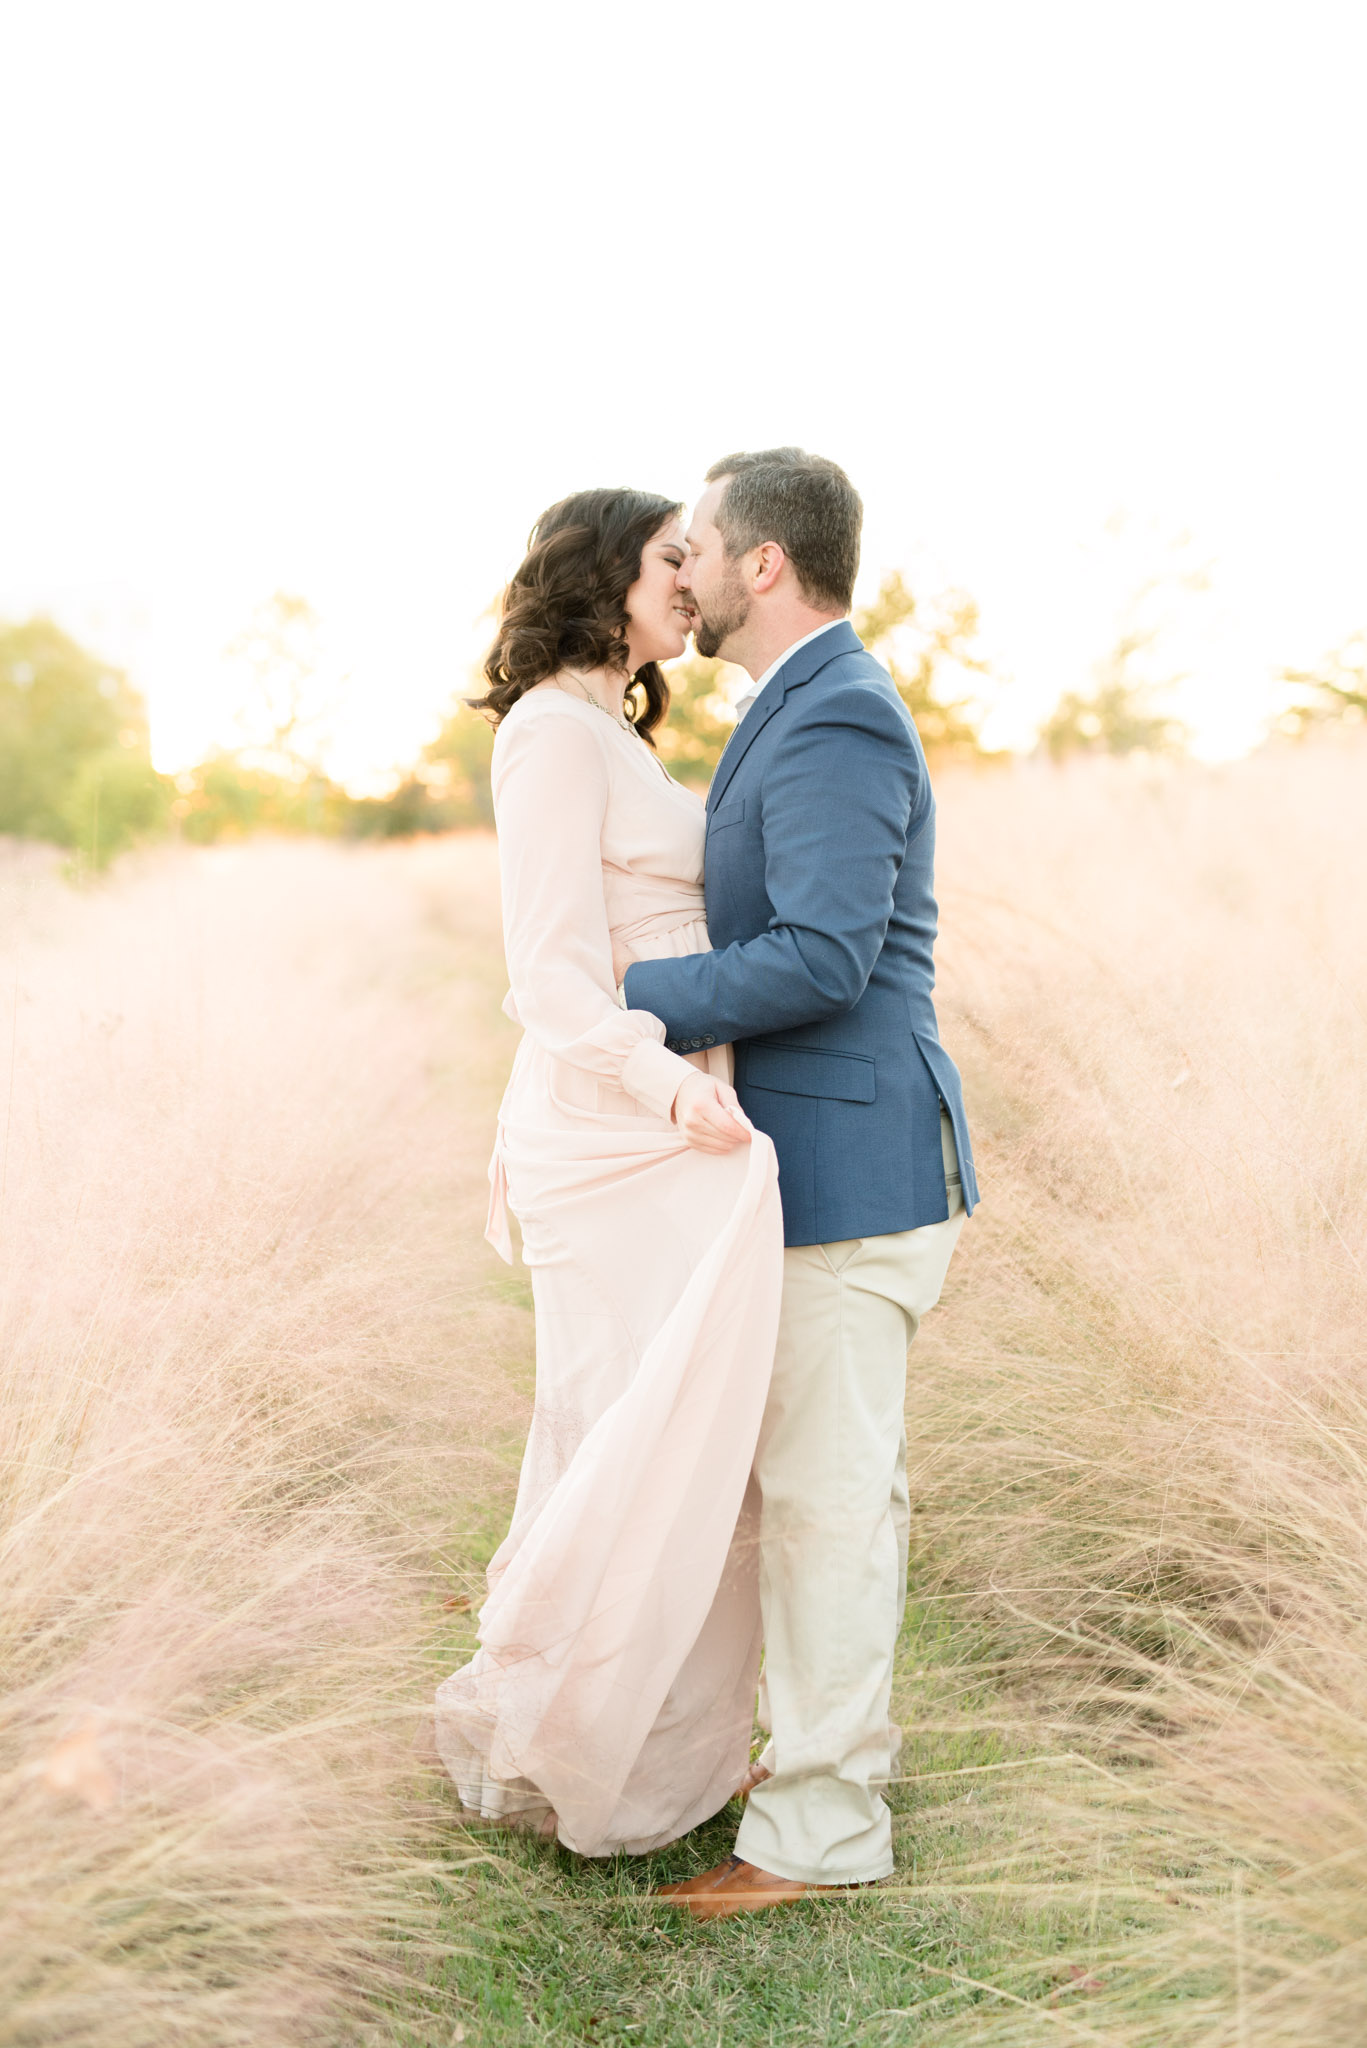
{"x":748,"y":695}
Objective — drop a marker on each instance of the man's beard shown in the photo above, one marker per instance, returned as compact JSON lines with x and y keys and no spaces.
{"x":726,"y":612}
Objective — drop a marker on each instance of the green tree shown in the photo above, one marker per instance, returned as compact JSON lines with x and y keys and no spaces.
{"x":1117,"y":718}
{"x":448,"y":790}
{"x":287,"y":703}
{"x":274,"y":781}
{"x":1333,"y":692}
{"x":114,"y":800}
{"x":1124,"y":713}
{"x":227,"y":796}
{"x":700,"y":720}
{"x":75,"y":766}
{"x":929,"y":647}
{"x":454,"y":768}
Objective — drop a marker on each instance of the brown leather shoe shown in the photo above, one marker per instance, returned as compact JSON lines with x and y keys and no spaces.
{"x":739,"y":1887}
{"x":756,"y":1775}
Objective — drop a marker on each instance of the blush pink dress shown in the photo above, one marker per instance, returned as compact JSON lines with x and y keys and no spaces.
{"x":614,"y":1684}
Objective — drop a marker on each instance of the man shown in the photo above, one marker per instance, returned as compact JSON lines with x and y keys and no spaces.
{"x":819,"y":869}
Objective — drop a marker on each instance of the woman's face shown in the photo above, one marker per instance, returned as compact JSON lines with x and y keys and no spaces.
{"x":660,"y":616}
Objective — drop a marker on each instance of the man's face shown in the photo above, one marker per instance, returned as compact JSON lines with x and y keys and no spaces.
{"x":714,"y":581}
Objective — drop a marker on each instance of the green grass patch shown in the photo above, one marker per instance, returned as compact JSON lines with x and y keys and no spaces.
{"x":548,"y":1947}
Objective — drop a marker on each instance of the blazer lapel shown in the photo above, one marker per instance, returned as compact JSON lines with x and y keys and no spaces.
{"x":744,"y":735}
{"x":798,"y":669}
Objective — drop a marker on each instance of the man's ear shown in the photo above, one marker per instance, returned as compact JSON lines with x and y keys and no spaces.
{"x":769,"y":561}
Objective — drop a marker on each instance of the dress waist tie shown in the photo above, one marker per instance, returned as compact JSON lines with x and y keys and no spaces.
{"x":497,"y":1228}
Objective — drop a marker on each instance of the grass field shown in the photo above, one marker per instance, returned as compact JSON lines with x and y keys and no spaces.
{"x":264,"y":1392}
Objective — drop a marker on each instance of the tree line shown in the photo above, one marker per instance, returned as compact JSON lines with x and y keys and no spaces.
{"x":76,"y":767}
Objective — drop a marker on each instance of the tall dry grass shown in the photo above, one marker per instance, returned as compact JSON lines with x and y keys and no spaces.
{"x":1140,"y":1427}
{"x":248,"y":1362}
{"x":253,"y":1350}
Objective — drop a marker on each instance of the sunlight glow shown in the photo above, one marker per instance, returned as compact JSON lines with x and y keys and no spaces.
{"x":333,"y":301}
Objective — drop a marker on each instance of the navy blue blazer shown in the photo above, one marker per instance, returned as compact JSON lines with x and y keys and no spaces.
{"x":820,"y":906}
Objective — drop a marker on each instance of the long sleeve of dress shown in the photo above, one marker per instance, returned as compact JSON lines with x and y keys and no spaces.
{"x":550,"y":780}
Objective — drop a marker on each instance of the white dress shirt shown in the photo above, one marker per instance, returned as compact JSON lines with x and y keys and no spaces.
{"x":748,"y":695}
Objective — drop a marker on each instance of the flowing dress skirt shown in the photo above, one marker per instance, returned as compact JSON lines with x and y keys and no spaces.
{"x":619,"y":1643}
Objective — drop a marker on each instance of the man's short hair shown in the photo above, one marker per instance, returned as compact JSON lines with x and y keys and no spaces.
{"x":805,"y":503}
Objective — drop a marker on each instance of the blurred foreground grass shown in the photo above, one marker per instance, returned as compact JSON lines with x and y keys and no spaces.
{"x":262,"y":1412}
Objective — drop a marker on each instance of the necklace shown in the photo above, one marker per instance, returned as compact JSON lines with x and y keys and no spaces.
{"x":597,"y":703}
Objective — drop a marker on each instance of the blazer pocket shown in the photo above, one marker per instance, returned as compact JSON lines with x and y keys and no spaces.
{"x":803,"y":1070}
{"x":726,"y":814}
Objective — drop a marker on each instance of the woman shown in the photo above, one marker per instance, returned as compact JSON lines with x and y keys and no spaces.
{"x":611,"y":1699}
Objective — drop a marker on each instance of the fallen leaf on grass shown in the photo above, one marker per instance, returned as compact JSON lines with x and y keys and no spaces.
{"x":1082,"y":1980}
{"x":457,"y":1600}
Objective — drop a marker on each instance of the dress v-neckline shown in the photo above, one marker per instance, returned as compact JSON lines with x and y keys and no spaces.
{"x":652,"y":759}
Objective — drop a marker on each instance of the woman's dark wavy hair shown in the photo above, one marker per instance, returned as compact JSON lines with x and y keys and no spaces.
{"x":566,"y":605}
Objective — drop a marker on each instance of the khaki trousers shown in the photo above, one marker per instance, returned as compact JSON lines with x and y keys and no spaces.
{"x":831,"y":1474}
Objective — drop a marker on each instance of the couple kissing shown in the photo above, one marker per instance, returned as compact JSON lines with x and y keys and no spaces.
{"x":737,"y":1156}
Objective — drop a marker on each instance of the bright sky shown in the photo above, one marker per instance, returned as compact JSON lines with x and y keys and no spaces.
{"x":335,"y":297}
